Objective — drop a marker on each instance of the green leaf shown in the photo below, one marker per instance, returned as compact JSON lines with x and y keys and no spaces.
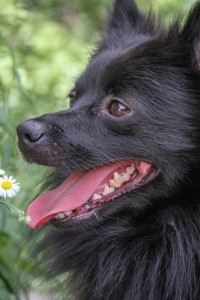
{"x":5,"y":121}
{"x":6,"y":275}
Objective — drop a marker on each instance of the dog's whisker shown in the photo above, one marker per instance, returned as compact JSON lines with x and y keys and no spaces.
{"x":95,"y":214}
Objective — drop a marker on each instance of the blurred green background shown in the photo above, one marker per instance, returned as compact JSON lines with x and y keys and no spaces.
{"x":44,"y":45}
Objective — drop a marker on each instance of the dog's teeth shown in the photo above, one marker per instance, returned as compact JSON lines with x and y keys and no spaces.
{"x":60,"y":215}
{"x":117,"y":181}
{"x":126,"y":177}
{"x":112,"y":183}
{"x":116,"y":176}
{"x":96,"y":197}
{"x":108,"y":190}
{"x":68,"y":213}
{"x":130,"y":170}
{"x":87,"y":206}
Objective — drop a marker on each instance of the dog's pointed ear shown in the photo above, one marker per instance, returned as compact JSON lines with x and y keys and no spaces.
{"x":190,"y":37}
{"x":125,"y":15}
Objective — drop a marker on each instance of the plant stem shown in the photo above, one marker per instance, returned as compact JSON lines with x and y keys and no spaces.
{"x":12,"y":206}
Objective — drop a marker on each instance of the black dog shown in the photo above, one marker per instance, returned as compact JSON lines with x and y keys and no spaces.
{"x":126,"y":221}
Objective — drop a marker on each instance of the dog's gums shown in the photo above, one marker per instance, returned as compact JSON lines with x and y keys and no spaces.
{"x":85,"y":191}
{"x":122,"y":181}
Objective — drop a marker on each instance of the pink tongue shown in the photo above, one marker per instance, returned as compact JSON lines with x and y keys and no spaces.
{"x":72,"y":193}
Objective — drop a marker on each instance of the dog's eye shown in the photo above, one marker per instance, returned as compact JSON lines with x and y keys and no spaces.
{"x":117,"y":109}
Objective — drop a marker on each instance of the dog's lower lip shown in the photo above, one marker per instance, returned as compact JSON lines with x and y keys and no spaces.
{"x":91,"y":210}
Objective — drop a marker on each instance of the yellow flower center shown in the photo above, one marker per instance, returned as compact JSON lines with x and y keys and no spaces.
{"x":6,"y":185}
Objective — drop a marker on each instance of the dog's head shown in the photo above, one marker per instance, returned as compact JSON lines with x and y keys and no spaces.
{"x":132,"y":127}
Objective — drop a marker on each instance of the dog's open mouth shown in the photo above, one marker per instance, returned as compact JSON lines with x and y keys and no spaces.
{"x":81,"y":194}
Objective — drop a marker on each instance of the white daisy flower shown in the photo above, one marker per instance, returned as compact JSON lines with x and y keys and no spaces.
{"x":2,"y":172}
{"x":8,"y":187}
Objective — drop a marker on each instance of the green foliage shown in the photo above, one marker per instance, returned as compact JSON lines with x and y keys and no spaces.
{"x":44,"y":45}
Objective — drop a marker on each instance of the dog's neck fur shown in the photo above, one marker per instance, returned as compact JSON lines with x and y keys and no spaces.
{"x":157,"y":261}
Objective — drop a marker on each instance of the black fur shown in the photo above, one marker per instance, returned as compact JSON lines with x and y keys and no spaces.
{"x":145,"y":245}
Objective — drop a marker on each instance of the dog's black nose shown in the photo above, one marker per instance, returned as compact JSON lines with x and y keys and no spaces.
{"x":30,"y":132}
